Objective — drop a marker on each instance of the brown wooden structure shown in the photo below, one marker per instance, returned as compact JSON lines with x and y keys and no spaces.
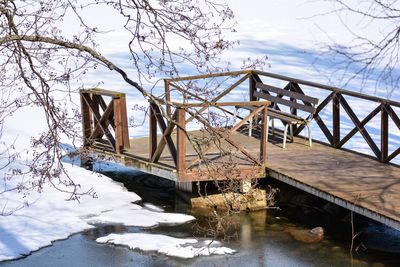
{"x":98,"y":117}
{"x":366,"y":184}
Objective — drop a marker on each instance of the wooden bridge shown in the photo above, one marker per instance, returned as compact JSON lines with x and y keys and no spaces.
{"x":195,"y":134}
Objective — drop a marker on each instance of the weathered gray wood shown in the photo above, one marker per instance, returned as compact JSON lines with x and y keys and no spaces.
{"x":285,"y":102}
{"x":291,"y":94}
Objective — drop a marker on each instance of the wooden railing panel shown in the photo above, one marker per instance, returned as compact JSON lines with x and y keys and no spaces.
{"x":221,"y":95}
{"x":104,"y":122}
{"x":166,"y":135}
{"x":360,"y":127}
{"x":97,"y":119}
{"x":98,"y":116}
{"x":362,"y":130}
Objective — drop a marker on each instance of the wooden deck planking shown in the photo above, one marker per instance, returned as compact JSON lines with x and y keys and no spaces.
{"x":353,"y":181}
{"x":356,"y":182}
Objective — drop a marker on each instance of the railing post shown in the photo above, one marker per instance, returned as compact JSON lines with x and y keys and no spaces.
{"x":121,"y":123}
{"x":86,"y":120}
{"x":168,"y":97}
{"x":96,"y":109}
{"x":384,"y":133}
{"x":252,"y":87}
{"x":264,"y":133}
{"x":181,"y":141}
{"x":292,"y":109}
{"x":336,"y":120}
{"x":153,"y":131}
{"x":124,"y":122}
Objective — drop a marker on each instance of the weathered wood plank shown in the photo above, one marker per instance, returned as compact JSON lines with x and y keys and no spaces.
{"x":336,"y":119}
{"x":119,"y":142}
{"x":99,"y":91}
{"x":152,"y":132}
{"x":291,"y":94}
{"x":384,"y":133}
{"x":181,"y":141}
{"x":285,"y":102}
{"x":124,"y":123}
{"x":264,"y":133}
{"x":86,"y":122}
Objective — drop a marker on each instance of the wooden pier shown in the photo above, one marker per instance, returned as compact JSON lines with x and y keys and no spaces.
{"x":175,"y":150}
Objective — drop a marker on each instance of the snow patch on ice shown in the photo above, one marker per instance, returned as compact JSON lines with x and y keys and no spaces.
{"x":135,"y":215}
{"x":52,"y":218}
{"x":170,"y":246}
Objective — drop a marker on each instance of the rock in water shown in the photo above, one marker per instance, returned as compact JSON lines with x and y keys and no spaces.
{"x":308,"y":236}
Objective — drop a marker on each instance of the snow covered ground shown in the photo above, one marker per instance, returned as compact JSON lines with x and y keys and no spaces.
{"x":52,"y":218}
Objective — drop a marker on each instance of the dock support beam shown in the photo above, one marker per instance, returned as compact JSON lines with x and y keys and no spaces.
{"x":184,"y":186}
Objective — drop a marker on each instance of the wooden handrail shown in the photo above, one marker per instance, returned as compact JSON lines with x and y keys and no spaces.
{"x":328,"y":88}
{"x":337,"y":97}
{"x":97,"y":116}
{"x":221,"y":104}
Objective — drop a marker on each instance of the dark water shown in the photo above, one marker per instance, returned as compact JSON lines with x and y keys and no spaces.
{"x":260,"y":238}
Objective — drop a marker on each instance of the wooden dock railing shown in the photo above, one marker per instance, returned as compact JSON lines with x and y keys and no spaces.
{"x":179,"y":120}
{"x":337,"y":98}
{"x":102,"y":123}
{"x":105,"y":124}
